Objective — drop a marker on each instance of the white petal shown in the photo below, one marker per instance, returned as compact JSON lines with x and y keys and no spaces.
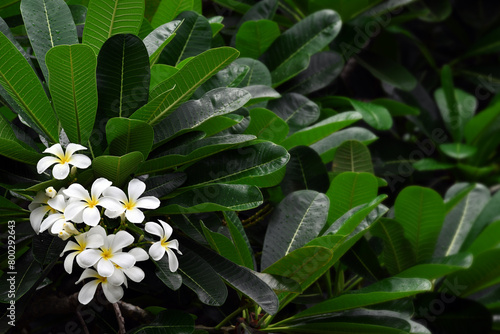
{"x":111,"y":204}
{"x":36,"y":217}
{"x":136,"y":274}
{"x":167,"y":228}
{"x":91,"y":216}
{"x":154,"y":228}
{"x":98,"y":230}
{"x":57,"y":203}
{"x":139,"y":254}
{"x":118,"y":277}
{"x":87,"y":292}
{"x":74,"y":209}
{"x":70,"y":245}
{"x":72,"y":148}
{"x":156,"y":251}
{"x":86,"y":274}
{"x":45,"y":163}
{"x":148,"y":202}
{"x":99,"y":186}
{"x":135,"y":216}
{"x":60,"y":171}
{"x":135,"y":189}
{"x":115,"y":193}
{"x":123,"y":260}
{"x":113,"y":214}
{"x":49,"y":221}
{"x":40,"y":198}
{"x":77,"y":191}
{"x":80,"y":161}
{"x":94,"y":241}
{"x":88,"y":257}
{"x":105,"y":268}
{"x":113,"y":293}
{"x":174,"y":244}
{"x":122,"y":239}
{"x":173,"y":263}
{"x":56,"y":150}
{"x":68,"y":262}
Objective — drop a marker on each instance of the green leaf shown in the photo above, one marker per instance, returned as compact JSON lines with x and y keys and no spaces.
{"x":48,"y":23}
{"x":488,"y":215}
{"x":362,"y":260}
{"x":240,"y":239}
{"x":379,"y":292}
{"x":437,"y":11}
{"x":458,"y":150}
{"x":266,"y":125}
{"x":455,"y":194}
{"x":421,"y":213}
{"x":161,"y":185}
{"x":199,"y":276}
{"x":192,"y":152}
{"x":128,"y":135}
{"x":171,"y":279}
{"x":485,"y":45}
{"x":160,"y":73}
{"x":387,"y":70}
{"x":193,"y":113}
{"x":13,"y":148}
{"x":47,"y":248}
{"x":168,"y":9}
{"x":439,"y":268}
{"x":397,"y":253}
{"x":428,"y":164}
{"x":117,"y":169}
{"x":221,"y":244}
{"x":265,"y":9}
{"x":254,"y":37}
{"x":246,"y":165}
{"x":456,"y":106}
{"x":215,"y":197}
{"x":300,"y":263}
{"x":483,"y":273}
{"x":73,"y":88}
{"x":243,"y":279}
{"x":348,"y":190}
{"x":487,"y":240}
{"x":324,"y":68}
{"x":346,"y":9}
{"x":28,"y":272}
{"x":191,"y":38}
{"x":168,"y":95}
{"x":168,"y":322}
{"x":156,"y":40}
{"x":237,"y":6}
{"x":304,"y":171}
{"x":295,"y":109}
{"x":261,"y":93}
{"x":258,"y":74}
{"x":328,"y":146}
{"x":459,"y":220}
{"x":296,"y":220}
{"x":290,"y":53}
{"x":321,"y":130}
{"x":376,"y":116}
{"x":17,"y":78}
{"x":352,"y":156}
{"x":4,"y":29}
{"x":106,"y":18}
{"x":231,"y":76}
{"x":123,"y":75}
{"x":396,"y":108}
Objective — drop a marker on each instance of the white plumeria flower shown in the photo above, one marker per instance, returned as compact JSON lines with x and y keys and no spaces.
{"x":63,"y":160}
{"x":39,"y":208}
{"x":90,"y":239}
{"x":109,"y":254}
{"x":131,"y":205}
{"x":136,"y":274}
{"x":86,"y":203}
{"x":55,"y":221}
{"x":158,"y":249}
{"x":113,"y":293}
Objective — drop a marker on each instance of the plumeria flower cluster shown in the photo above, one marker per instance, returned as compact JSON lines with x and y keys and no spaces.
{"x":75,"y":212}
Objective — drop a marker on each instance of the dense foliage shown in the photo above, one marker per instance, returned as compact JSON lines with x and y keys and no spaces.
{"x":317,"y":166}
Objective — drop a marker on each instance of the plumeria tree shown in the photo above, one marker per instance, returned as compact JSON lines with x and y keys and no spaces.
{"x":245,"y":166}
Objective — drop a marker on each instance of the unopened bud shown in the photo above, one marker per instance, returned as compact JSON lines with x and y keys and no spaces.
{"x":50,"y":192}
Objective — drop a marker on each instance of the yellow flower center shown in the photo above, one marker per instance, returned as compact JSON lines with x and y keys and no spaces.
{"x":129,"y":205}
{"x":106,"y":254}
{"x":164,"y":242}
{"x":92,"y":202}
{"x":102,"y":279}
{"x":117,"y":266}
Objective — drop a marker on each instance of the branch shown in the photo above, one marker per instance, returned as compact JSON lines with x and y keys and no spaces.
{"x":119,"y":318}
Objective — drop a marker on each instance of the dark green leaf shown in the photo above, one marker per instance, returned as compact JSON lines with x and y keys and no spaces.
{"x":255,"y":37}
{"x":128,"y":135}
{"x":352,"y":156}
{"x":264,"y":124}
{"x":376,"y":116}
{"x":231,"y":76}
{"x":122,"y":76}
{"x":429,"y":164}
{"x":28,"y":272}
{"x":161,"y":185}
{"x":47,"y":248}
{"x":488,"y":215}
{"x":362,"y":260}
{"x":13,"y":148}
{"x":240,"y":238}
{"x":168,"y":9}
{"x":295,"y":109}
{"x":168,"y":322}
{"x":261,"y":93}
{"x":439,"y":268}
{"x":258,"y":74}
{"x":117,"y":169}
{"x":396,"y":108}
{"x":156,"y":40}
{"x":458,"y":150}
